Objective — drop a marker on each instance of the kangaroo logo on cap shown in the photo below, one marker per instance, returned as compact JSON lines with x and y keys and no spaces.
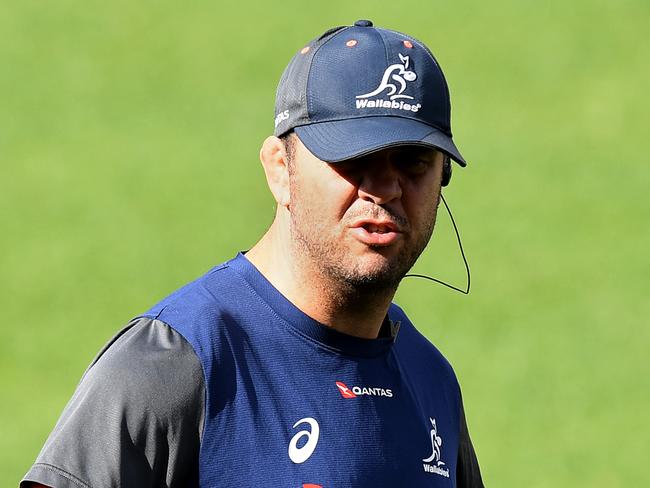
{"x":394,"y":80}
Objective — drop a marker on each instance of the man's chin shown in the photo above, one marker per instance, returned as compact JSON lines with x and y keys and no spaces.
{"x":376,"y":272}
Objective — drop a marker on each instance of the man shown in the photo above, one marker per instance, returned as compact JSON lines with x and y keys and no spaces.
{"x":288,"y":366}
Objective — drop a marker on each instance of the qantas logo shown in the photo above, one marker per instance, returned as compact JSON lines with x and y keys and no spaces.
{"x":345,"y":391}
{"x":356,"y":391}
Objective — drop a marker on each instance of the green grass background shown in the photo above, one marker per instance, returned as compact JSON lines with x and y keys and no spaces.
{"x":129,"y":134}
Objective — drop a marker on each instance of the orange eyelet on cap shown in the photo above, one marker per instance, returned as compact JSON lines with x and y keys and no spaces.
{"x":351,"y":43}
{"x":408,"y":44}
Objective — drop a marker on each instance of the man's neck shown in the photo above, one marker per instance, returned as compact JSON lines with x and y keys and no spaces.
{"x":347,"y":309}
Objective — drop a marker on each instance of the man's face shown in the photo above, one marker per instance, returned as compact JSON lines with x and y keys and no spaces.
{"x":364,"y":222}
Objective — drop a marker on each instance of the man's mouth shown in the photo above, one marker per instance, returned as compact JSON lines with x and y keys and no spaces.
{"x":378,"y":228}
{"x":376,"y":232}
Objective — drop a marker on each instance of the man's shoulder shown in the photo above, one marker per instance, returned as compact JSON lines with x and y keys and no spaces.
{"x":415,"y":348}
{"x":140,"y":405}
{"x":144,"y":360}
{"x":209,"y":311}
{"x":206,"y":291}
{"x":204,"y":300}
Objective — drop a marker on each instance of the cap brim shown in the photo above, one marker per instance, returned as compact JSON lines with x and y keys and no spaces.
{"x":339,"y":140}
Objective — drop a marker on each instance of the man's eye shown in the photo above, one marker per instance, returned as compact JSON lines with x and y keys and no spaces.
{"x":416,"y":166}
{"x":349,"y":170}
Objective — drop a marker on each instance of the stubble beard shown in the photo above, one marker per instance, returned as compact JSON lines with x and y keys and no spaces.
{"x":328,"y":255}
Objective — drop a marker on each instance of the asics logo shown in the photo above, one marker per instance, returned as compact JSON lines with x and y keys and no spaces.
{"x":300,"y":454}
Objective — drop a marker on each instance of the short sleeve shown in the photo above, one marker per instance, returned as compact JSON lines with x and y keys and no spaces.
{"x":468,"y":473}
{"x":134,"y":420}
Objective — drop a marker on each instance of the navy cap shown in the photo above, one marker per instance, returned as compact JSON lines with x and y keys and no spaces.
{"x":357,"y":89}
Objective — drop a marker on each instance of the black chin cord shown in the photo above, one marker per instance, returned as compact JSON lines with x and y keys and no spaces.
{"x":462,"y":253}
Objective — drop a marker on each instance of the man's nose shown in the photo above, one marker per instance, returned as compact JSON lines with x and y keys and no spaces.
{"x":381,"y":183}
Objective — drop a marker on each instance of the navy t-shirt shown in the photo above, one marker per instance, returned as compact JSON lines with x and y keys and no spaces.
{"x":226,"y":383}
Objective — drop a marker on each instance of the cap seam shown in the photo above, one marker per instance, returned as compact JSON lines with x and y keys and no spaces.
{"x":368,"y":116}
{"x":308,"y":99}
{"x":383,"y":41}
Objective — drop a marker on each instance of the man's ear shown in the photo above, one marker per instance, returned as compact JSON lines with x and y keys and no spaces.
{"x":274,"y":161}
